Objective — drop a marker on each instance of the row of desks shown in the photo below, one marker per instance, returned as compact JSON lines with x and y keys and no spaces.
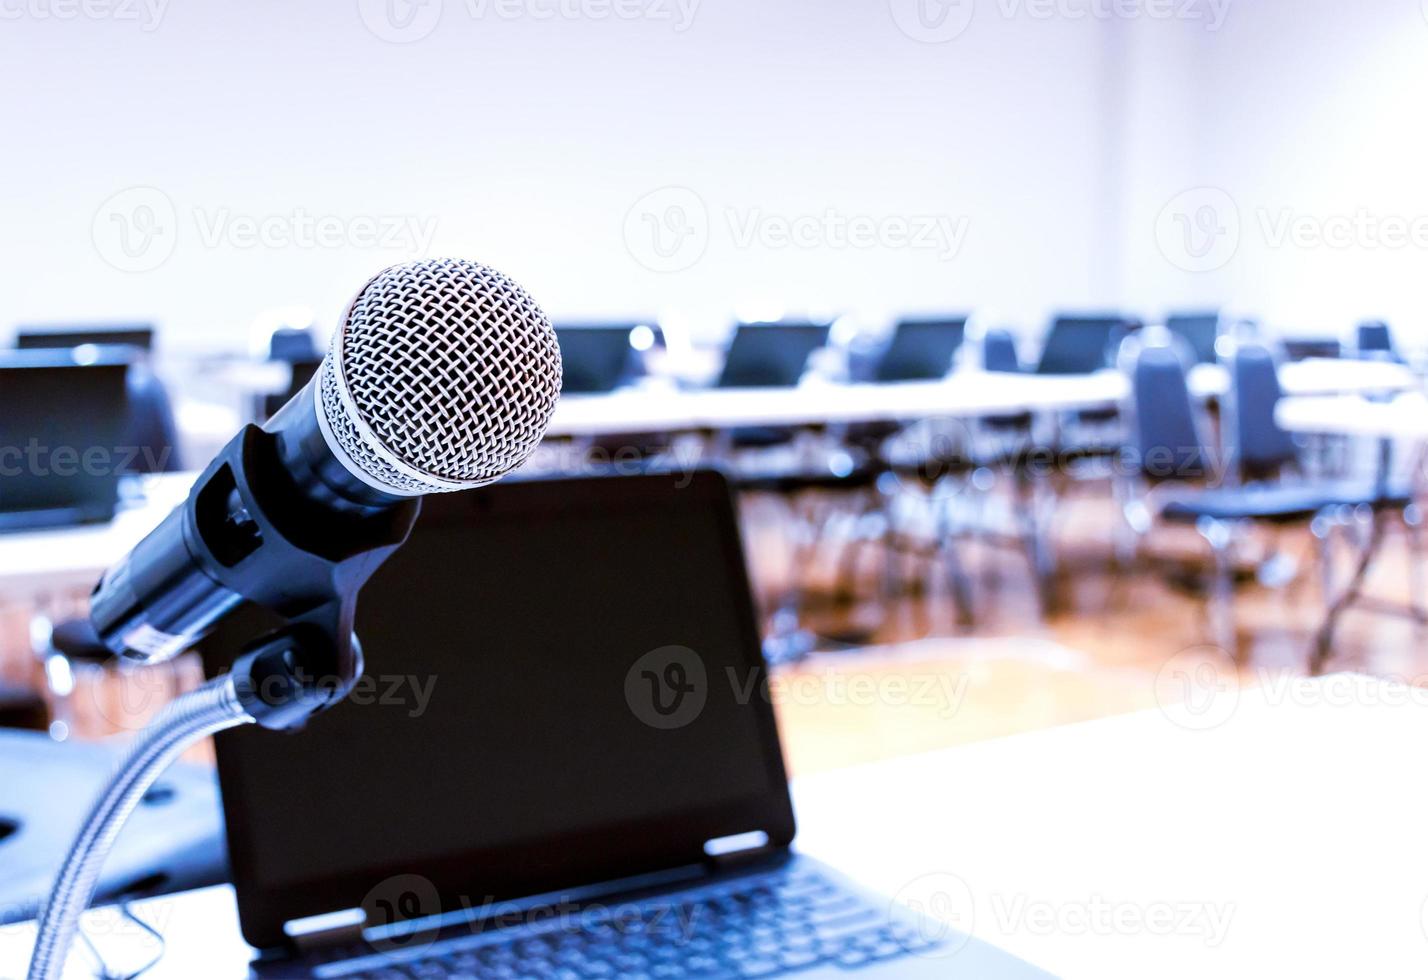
{"x":34,"y":565}
{"x":965,"y":395}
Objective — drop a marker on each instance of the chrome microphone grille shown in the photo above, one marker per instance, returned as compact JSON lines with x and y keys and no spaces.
{"x":442,"y":376}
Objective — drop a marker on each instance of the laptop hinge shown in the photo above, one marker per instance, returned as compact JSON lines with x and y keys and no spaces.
{"x":326,"y":931}
{"x":740,"y":850}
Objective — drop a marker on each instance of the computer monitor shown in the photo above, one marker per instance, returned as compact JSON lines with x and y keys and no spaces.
{"x":1199,"y":330}
{"x":595,"y":357}
{"x":504,"y":739}
{"x":921,"y":349}
{"x":771,"y":355}
{"x":140,"y":335}
{"x":62,"y":429}
{"x":1082,"y":344}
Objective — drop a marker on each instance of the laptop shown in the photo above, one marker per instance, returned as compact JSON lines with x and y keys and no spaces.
{"x":1082,"y":344}
{"x":770,"y":355}
{"x":595,"y":358}
{"x":562,"y":762}
{"x":134,"y":335}
{"x":62,"y":428}
{"x":922,"y":350}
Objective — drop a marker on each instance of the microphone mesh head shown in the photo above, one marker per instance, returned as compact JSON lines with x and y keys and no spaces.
{"x":442,"y":376}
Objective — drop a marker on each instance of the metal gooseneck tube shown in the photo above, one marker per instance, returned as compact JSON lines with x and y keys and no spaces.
{"x":194,"y":716}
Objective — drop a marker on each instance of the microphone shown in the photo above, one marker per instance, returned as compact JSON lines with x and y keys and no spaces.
{"x":442,"y":376}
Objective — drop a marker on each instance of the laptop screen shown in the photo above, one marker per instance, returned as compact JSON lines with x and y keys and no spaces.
{"x":563,"y":686}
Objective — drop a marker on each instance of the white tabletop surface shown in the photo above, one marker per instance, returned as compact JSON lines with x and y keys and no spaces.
{"x":1404,"y":417}
{"x":34,"y":563}
{"x":1273,"y":832}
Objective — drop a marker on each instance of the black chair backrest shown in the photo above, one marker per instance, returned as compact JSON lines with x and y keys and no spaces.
{"x":999,"y":352}
{"x":62,"y":434}
{"x":1200,"y":331}
{"x":140,"y":335}
{"x":1375,"y":337}
{"x":921,"y":350}
{"x":1302,"y":348}
{"x":1168,"y":441}
{"x":292,"y":344}
{"x":1260,"y":446}
{"x":1082,"y":344}
{"x":770,"y":355}
{"x":595,"y":357}
{"x":151,"y":427}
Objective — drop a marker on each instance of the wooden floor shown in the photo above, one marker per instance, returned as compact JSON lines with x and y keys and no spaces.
{"x":1111,"y":647}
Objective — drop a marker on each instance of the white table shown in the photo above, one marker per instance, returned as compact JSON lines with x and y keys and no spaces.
{"x":1403,"y":417}
{"x":1269,"y":833}
{"x":967,"y":394}
{"x":34,"y":564}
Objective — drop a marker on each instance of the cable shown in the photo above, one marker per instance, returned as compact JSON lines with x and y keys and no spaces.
{"x":191,"y":717}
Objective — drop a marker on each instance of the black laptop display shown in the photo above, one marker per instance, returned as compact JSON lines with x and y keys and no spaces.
{"x":61,"y":432}
{"x":538,"y":759}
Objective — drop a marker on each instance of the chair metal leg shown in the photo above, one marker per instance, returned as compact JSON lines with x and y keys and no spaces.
{"x":1221,"y":539}
{"x":1324,"y":638}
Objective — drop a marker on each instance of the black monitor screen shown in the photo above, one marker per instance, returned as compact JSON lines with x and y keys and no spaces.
{"x":565,"y":684}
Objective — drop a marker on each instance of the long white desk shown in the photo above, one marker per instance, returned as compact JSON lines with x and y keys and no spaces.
{"x":964,"y":395}
{"x":1403,"y":417}
{"x":1268,"y":832}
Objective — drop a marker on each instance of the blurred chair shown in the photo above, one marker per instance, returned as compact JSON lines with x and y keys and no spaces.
{"x":999,"y":352}
{"x":1170,"y":455}
{"x":293,"y":345}
{"x":150,"y":426}
{"x":1259,"y":448}
{"x":1375,"y":341}
{"x":1303,"y":348}
{"x":1200,"y":331}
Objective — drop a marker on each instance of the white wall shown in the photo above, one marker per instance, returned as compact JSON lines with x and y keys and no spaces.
{"x":528,"y":140}
{"x":1297,"y":113}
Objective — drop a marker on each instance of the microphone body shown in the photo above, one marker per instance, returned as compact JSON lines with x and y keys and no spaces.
{"x":442,"y":376}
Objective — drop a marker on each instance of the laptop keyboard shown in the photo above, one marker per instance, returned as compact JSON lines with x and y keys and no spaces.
{"x":764,"y":926}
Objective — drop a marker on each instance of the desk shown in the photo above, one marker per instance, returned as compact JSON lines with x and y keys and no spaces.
{"x":968,"y":394}
{"x":37,"y":564}
{"x":1404,"y":417}
{"x":1271,"y":832}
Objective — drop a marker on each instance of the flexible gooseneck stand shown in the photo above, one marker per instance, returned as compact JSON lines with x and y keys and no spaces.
{"x":256,"y":542}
